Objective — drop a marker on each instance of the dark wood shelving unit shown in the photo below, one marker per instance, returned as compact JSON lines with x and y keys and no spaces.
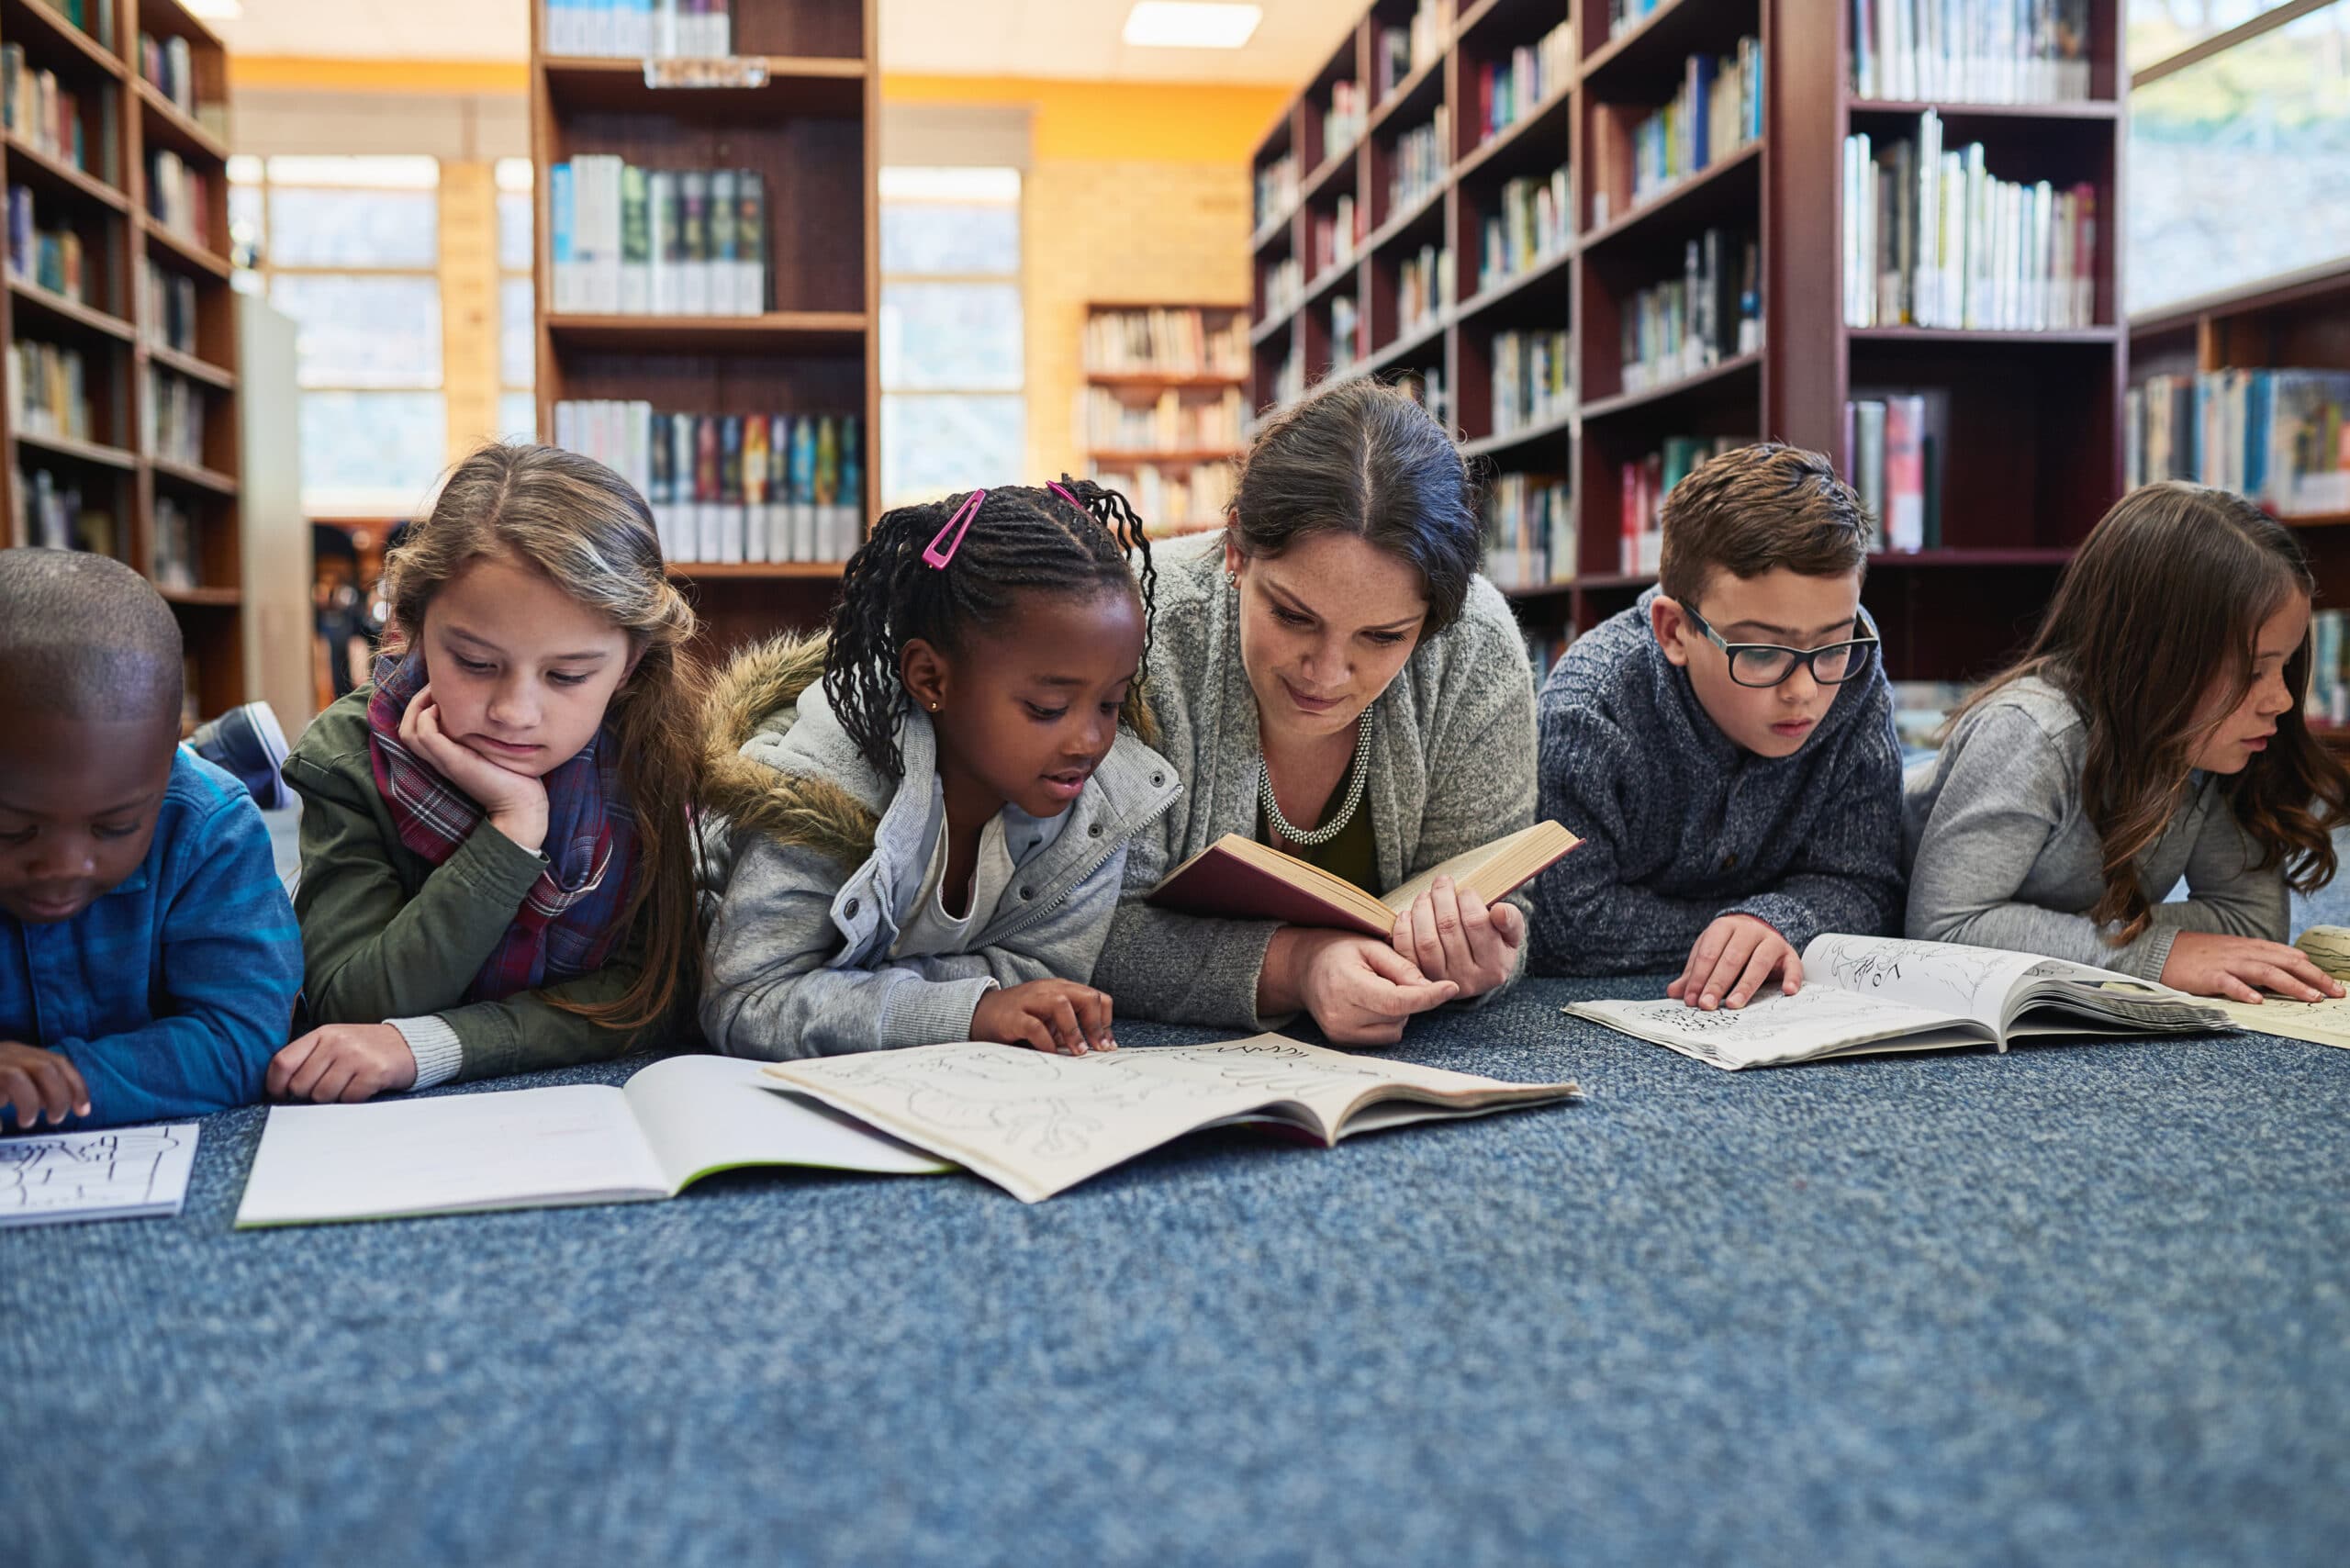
{"x":2037,"y":415}
{"x":105,"y":201}
{"x":810,"y":129}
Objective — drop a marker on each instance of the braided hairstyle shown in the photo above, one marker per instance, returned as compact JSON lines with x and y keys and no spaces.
{"x":1023,"y":539}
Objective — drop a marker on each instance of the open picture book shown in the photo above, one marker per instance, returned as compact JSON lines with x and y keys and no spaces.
{"x":1863,"y":994}
{"x":672,"y":1124}
{"x":1036,"y":1124}
{"x":2323,"y":1023}
{"x":1238,"y":879}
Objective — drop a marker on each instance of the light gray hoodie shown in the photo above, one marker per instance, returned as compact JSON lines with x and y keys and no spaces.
{"x":819,"y":862}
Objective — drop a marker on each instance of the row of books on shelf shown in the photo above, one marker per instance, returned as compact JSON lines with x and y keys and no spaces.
{"x":1277,"y":186}
{"x":1425,"y":386}
{"x":1623,"y":16}
{"x":1893,"y":460}
{"x":1530,"y":228}
{"x":731,"y":488}
{"x":1534,"y":379}
{"x":49,"y":389}
{"x":1342,"y":120}
{"x":168,"y":304}
{"x":50,"y":512}
{"x":1169,"y":423}
{"x":1284,"y":286}
{"x":2280,"y":436}
{"x":34,"y":107}
{"x":1509,"y":91}
{"x":1717,"y":109}
{"x":179,"y":196}
{"x":1933,"y":238}
{"x":1530,"y":531}
{"x":1168,"y":340}
{"x":169,"y":67}
{"x":1422,"y":290}
{"x":173,"y":418}
{"x":1173,"y":500}
{"x":1398,"y":51}
{"x":2328,"y":701}
{"x":52,"y":258}
{"x":630,"y":240}
{"x":1687,"y":325}
{"x":639,"y":29}
{"x":1420,"y":162}
{"x":174,"y":553}
{"x":1975,"y":52}
{"x":1643,"y":484}
{"x":1346,"y":333}
{"x":1337,"y":235}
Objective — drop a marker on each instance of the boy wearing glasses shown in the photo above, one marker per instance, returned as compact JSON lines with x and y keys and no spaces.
{"x":1725,"y":747}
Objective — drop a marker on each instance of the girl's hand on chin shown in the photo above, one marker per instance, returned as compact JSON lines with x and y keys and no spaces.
{"x":515,"y":803}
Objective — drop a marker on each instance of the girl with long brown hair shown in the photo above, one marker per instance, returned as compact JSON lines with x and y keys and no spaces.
{"x":497,"y":852}
{"x":2153,"y":732}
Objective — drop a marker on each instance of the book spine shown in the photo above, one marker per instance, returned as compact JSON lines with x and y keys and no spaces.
{"x":636,"y":242}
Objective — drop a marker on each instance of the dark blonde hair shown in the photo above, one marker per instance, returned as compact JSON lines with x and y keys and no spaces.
{"x":1756,"y":509}
{"x":588,"y":530}
{"x":2163,"y":605}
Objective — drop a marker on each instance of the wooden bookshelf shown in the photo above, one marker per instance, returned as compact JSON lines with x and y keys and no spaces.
{"x":2300,"y":321}
{"x":810,"y":129}
{"x":106,"y":201}
{"x":2036,"y":416}
{"x":1147,"y":373}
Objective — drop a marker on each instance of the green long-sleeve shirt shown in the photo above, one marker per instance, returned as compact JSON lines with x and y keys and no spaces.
{"x":389,"y":934}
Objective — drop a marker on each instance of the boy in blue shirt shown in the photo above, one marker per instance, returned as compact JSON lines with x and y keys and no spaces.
{"x":149,"y":957}
{"x":1725,"y":747}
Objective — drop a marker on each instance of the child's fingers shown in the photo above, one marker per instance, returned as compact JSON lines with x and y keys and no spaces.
{"x":365,"y":1083}
{"x":1758,"y":969}
{"x":287,"y":1063}
{"x":77,"y":1091}
{"x":1033,"y":1033}
{"x":304,"y":1081}
{"x":2235,"y":989}
{"x":1094,"y":1010}
{"x":1791,"y":973}
{"x":331,"y":1083}
{"x":1060,"y":1017}
{"x":57,"y":1095}
{"x":1703,"y":959}
{"x":1728,"y":966}
{"x":2282,"y":980}
{"x":16,"y":1092}
{"x":2319,"y":983}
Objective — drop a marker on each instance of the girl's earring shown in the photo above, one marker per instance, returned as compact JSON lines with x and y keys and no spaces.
{"x":933,"y":707}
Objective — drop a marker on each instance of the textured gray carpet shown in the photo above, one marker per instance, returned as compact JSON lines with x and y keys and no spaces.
{"x":2080,"y":1304}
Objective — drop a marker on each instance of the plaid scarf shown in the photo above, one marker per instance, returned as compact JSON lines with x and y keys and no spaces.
{"x":572,"y":914}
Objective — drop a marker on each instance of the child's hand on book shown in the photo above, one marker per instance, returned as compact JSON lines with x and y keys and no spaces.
{"x":515,"y":803}
{"x":349,"y":1062}
{"x":1451,"y":934}
{"x":34,"y":1082}
{"x":1734,"y":958}
{"x":2239,"y":967}
{"x":1051,"y":1014}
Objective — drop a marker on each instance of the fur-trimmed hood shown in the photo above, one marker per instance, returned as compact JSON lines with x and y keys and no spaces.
{"x":753,"y":706}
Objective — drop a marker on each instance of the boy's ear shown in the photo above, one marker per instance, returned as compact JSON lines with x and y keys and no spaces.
{"x":1667,"y":621}
{"x":924,"y":671}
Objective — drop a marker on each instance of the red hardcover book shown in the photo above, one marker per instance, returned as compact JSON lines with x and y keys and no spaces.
{"x":1238,"y":879}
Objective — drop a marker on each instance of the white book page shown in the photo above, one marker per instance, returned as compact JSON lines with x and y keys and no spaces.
{"x":514,"y":1148}
{"x":702,"y":1114}
{"x":1817,"y":1021}
{"x":1036,"y":1124}
{"x":1942,"y":977}
{"x":119,"y":1173}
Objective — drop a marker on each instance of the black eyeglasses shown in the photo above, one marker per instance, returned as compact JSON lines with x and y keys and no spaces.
{"x":1767,"y":663}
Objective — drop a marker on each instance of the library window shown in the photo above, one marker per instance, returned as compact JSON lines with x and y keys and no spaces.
{"x":2237,"y":156}
{"x":349,"y":247}
{"x":953,"y":357}
{"x":518,"y":415}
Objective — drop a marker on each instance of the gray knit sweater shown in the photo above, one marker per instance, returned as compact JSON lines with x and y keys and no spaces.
{"x":1451,"y":768}
{"x":1681,"y":825}
{"x":2003,"y":856}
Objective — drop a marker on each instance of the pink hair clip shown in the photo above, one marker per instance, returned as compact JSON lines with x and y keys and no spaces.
{"x":959,"y":525}
{"x":1064,"y":495}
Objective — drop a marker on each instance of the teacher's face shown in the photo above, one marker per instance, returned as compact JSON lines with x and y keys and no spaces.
{"x":1324,"y":627}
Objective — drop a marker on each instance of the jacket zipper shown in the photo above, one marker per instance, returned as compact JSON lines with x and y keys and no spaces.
{"x":1074,"y":883}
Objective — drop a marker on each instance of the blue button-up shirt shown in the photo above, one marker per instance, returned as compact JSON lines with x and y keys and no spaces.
{"x":170,"y":992}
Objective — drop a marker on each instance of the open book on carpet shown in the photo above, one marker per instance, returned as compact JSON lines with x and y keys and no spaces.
{"x":2323,"y":1023}
{"x":1863,"y":994}
{"x":1036,"y":1123}
{"x":1240,"y":878}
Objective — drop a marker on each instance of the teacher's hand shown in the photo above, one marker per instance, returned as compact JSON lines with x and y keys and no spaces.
{"x":1449,"y":933}
{"x":1360,"y":990}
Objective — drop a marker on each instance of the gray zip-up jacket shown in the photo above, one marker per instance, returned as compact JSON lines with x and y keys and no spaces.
{"x":818,"y":858}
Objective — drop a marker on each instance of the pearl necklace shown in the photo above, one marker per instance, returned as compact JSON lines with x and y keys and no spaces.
{"x":1328,"y":831}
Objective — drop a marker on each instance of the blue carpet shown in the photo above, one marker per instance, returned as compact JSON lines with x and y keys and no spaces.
{"x":2081,"y":1304}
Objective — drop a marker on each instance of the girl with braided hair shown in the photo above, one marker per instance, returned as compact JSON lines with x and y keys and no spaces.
{"x":497,"y":852}
{"x":926,"y":812}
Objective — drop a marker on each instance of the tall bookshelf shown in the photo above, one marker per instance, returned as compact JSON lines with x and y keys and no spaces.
{"x":1181,"y":361}
{"x":147,"y":197}
{"x":2299,"y":321}
{"x":2028,"y":423}
{"x":798,"y":100}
